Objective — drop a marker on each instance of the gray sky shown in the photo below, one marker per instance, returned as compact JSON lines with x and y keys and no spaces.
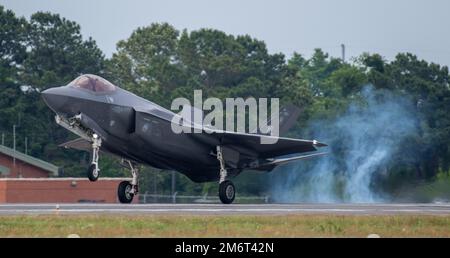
{"x":383,"y":26}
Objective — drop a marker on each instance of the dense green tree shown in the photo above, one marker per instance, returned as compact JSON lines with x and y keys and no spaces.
{"x":12,"y":53}
{"x":57,"y":52}
{"x":147,"y":64}
{"x":160,"y":63}
{"x":428,"y":84}
{"x":45,"y":52}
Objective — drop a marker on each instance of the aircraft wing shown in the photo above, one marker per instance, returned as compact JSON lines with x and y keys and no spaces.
{"x":282,"y":146}
{"x":253,"y":143}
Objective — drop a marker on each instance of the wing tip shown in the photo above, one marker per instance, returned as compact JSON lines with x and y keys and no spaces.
{"x":319,"y":144}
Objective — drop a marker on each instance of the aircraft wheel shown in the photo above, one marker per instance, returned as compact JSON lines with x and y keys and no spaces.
{"x":227,"y":192}
{"x":93,"y":172}
{"x":124,"y":192}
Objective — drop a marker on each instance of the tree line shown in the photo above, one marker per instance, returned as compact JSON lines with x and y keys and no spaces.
{"x":160,"y":63}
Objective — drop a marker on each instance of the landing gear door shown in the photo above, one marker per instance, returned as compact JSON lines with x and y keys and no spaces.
{"x":132,"y":122}
{"x":230,"y":156}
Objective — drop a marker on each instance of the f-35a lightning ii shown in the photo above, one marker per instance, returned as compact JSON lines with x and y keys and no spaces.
{"x":112,"y":120}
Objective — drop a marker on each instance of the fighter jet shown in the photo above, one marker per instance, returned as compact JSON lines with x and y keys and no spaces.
{"x":111,"y":120}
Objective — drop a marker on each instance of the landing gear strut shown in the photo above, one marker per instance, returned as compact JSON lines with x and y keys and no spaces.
{"x":93,"y":169}
{"x":127,"y":190}
{"x":227,"y":191}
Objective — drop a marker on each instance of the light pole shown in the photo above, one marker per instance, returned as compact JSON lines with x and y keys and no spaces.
{"x":173,"y":182}
{"x":14,"y":146}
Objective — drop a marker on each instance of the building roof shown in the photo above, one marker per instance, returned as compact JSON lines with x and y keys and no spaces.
{"x":30,"y":160}
{"x":51,"y":179}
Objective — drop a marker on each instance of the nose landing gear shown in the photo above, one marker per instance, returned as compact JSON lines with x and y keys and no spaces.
{"x":93,"y":171}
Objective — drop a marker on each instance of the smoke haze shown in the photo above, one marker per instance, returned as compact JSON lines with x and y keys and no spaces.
{"x":362,"y":141}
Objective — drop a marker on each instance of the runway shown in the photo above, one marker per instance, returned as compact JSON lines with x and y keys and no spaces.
{"x":235,"y":209}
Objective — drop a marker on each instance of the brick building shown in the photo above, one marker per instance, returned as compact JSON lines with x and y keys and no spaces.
{"x":25,"y":179}
{"x":58,"y":190}
{"x":15,"y":164}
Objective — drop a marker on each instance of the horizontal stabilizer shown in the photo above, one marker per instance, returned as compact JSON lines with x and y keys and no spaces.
{"x":287,"y":117}
{"x":276,"y":162}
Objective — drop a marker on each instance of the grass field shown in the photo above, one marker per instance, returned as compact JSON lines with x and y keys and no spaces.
{"x":224,"y":226}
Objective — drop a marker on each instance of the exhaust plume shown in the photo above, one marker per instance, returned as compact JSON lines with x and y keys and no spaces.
{"x":363,"y":141}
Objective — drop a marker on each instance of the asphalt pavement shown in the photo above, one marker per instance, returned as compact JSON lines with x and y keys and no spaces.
{"x":234,"y":209}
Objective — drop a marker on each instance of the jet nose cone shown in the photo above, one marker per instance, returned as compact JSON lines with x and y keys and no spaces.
{"x":53,"y":99}
{"x":48,"y":92}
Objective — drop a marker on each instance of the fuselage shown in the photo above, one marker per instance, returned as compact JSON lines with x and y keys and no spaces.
{"x":135,"y":128}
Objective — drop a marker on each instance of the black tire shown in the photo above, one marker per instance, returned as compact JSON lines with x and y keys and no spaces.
{"x":93,"y":172}
{"x":227,"y":192}
{"x":123,"y":192}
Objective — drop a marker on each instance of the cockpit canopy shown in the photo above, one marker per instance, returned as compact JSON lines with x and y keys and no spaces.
{"x":93,"y":83}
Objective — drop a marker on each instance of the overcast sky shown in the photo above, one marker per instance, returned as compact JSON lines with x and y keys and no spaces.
{"x":383,"y":26}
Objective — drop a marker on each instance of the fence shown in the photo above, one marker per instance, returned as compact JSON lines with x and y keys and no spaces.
{"x":175,"y":198}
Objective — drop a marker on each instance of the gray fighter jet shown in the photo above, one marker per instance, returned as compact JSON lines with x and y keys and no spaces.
{"x":112,"y":120}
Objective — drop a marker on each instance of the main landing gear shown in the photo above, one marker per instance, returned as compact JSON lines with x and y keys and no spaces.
{"x":127,"y":190}
{"x":227,"y":191}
